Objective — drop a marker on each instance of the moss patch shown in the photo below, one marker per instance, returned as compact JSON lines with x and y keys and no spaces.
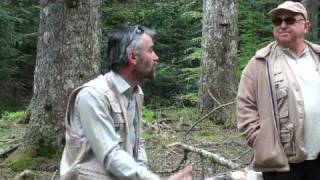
{"x":46,"y":149}
{"x":32,"y":157}
{"x":12,"y":117}
{"x":20,"y":160}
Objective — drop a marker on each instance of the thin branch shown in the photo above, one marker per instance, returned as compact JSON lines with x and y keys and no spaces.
{"x":9,"y":141}
{"x":54,"y":174}
{"x":9,"y":150}
{"x":218,"y":102}
{"x":214,"y":157}
{"x":183,"y":160}
{"x":204,"y":117}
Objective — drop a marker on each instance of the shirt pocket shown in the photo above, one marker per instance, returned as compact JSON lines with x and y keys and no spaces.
{"x":118,"y":121}
{"x":287,"y":136}
{"x":281,"y":88}
{"x":286,"y":126}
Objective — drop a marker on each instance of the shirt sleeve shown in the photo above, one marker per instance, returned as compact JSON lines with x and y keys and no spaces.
{"x":93,"y":111}
{"x":142,"y":155}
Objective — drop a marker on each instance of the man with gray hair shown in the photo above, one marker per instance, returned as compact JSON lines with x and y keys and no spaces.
{"x":278,"y":100}
{"x":103,"y":119}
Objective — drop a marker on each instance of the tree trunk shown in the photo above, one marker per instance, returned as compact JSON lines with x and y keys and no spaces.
{"x":312,"y":8}
{"x":68,"y":54}
{"x":218,"y":65}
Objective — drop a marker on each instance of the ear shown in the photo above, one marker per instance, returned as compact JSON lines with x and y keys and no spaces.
{"x":307,"y":25}
{"x":132,"y":58}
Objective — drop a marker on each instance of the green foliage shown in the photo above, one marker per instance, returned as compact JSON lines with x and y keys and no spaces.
{"x":30,"y":157}
{"x":46,"y":149}
{"x":20,"y":162}
{"x":177,"y":42}
{"x":12,"y":117}
{"x":147,"y":115}
{"x":18,"y":27}
{"x":12,"y":104}
{"x":176,"y":114}
{"x":3,"y":132}
{"x":254,"y":28}
{"x":8,"y":39}
{"x":192,"y":15}
{"x":8,"y":119}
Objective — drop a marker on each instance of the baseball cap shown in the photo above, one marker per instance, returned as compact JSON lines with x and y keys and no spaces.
{"x":291,"y":6}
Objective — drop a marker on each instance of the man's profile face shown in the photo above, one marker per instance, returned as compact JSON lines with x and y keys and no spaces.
{"x":289,"y":27}
{"x":146,"y":59}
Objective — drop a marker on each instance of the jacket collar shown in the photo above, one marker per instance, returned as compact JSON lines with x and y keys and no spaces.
{"x":314,"y":47}
{"x":264,"y":52}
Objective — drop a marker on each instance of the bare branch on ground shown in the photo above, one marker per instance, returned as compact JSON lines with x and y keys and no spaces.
{"x":214,"y":157}
{"x":9,"y":150}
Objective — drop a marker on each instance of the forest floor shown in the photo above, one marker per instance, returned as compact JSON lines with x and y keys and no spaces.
{"x":169,"y":127}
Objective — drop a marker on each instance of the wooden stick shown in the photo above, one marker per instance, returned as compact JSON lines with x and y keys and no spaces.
{"x":215,"y":157}
{"x":9,"y":150}
{"x":54,"y":174}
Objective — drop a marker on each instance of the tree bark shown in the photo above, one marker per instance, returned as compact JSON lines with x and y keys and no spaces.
{"x":218,"y":65}
{"x":68,"y":54}
{"x":312,"y":8}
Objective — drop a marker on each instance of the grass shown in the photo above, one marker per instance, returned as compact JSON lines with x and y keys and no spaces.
{"x":12,"y":105}
{"x":207,"y":135}
{"x":8,"y":119}
{"x":12,"y":117}
{"x":3,"y":133}
{"x":185,"y":113}
{"x":147,"y":115}
{"x":215,"y":138}
{"x":8,"y":128}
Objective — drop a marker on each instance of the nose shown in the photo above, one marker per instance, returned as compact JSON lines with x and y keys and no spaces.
{"x":155,"y":57}
{"x":283,"y":24}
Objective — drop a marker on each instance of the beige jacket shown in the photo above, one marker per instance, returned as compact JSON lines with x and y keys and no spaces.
{"x":270,"y":109}
{"x":78,"y":161}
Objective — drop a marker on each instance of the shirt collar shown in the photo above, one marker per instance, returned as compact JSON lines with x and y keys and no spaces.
{"x":122,"y":85}
{"x":288,"y":52}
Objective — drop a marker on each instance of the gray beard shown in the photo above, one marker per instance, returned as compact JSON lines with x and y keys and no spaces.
{"x":145,"y":75}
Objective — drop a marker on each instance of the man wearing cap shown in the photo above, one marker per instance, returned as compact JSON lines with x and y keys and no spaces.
{"x":278,"y":100}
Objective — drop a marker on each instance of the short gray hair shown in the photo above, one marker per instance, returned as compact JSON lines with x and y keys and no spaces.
{"x":122,"y":41}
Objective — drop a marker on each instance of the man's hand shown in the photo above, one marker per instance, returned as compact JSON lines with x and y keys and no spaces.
{"x":184,"y":174}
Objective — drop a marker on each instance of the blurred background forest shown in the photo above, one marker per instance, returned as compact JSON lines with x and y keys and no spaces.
{"x":178,"y":41}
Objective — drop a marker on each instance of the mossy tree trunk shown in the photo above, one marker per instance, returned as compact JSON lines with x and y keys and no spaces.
{"x":218,"y":64}
{"x":68,"y":54}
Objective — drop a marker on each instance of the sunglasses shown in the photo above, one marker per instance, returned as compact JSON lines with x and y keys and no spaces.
{"x":288,"y":20}
{"x":137,"y":30}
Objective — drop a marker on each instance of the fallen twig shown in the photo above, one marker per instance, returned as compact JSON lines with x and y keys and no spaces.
{"x":215,"y":157}
{"x":9,"y":141}
{"x":9,"y":150}
{"x":184,"y":159}
{"x":213,"y":110}
{"x":54,"y":174}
